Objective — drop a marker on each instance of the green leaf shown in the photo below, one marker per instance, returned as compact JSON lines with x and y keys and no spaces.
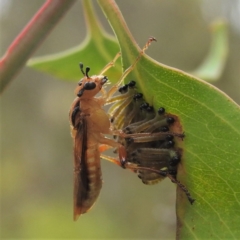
{"x":210,"y":166}
{"x":97,"y":49}
{"x":213,"y":65}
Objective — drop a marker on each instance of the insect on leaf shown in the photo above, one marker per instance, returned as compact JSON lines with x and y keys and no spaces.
{"x":211,"y":121}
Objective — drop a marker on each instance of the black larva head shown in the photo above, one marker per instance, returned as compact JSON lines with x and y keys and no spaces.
{"x":123,"y":89}
{"x":174,"y":161}
{"x":144,"y":106}
{"x":137,"y":96}
{"x":173,"y":173}
{"x":163,"y":173}
{"x":164,"y":129}
{"x":169,"y":137}
{"x":131,"y":84}
{"x":150,"y":109}
{"x":161,"y":110}
{"x":168,"y":144}
{"x":170,"y":120}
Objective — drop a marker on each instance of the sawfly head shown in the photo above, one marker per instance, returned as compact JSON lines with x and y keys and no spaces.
{"x":88,"y":86}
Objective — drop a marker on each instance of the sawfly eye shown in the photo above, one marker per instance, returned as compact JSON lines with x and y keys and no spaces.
{"x":89,"y":85}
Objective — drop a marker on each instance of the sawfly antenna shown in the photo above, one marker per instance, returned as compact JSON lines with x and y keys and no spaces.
{"x":87,"y":70}
{"x":81,"y":68}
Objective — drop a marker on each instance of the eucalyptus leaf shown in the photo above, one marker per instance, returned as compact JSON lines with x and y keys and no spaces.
{"x":210,"y":166}
{"x":211,"y":68}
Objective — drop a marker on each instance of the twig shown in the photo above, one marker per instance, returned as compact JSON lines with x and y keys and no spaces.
{"x":30,"y":38}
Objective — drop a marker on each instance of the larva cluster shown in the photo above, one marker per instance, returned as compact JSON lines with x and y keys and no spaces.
{"x":148,"y":140}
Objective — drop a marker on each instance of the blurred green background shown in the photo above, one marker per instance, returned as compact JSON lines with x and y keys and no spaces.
{"x":36,"y":147}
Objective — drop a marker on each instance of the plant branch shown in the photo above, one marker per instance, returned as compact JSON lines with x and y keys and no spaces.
{"x":30,"y":38}
{"x":116,"y":21}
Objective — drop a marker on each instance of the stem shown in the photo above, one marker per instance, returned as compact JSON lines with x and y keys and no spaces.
{"x":93,"y":24}
{"x":30,"y":38}
{"x":129,"y":47}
